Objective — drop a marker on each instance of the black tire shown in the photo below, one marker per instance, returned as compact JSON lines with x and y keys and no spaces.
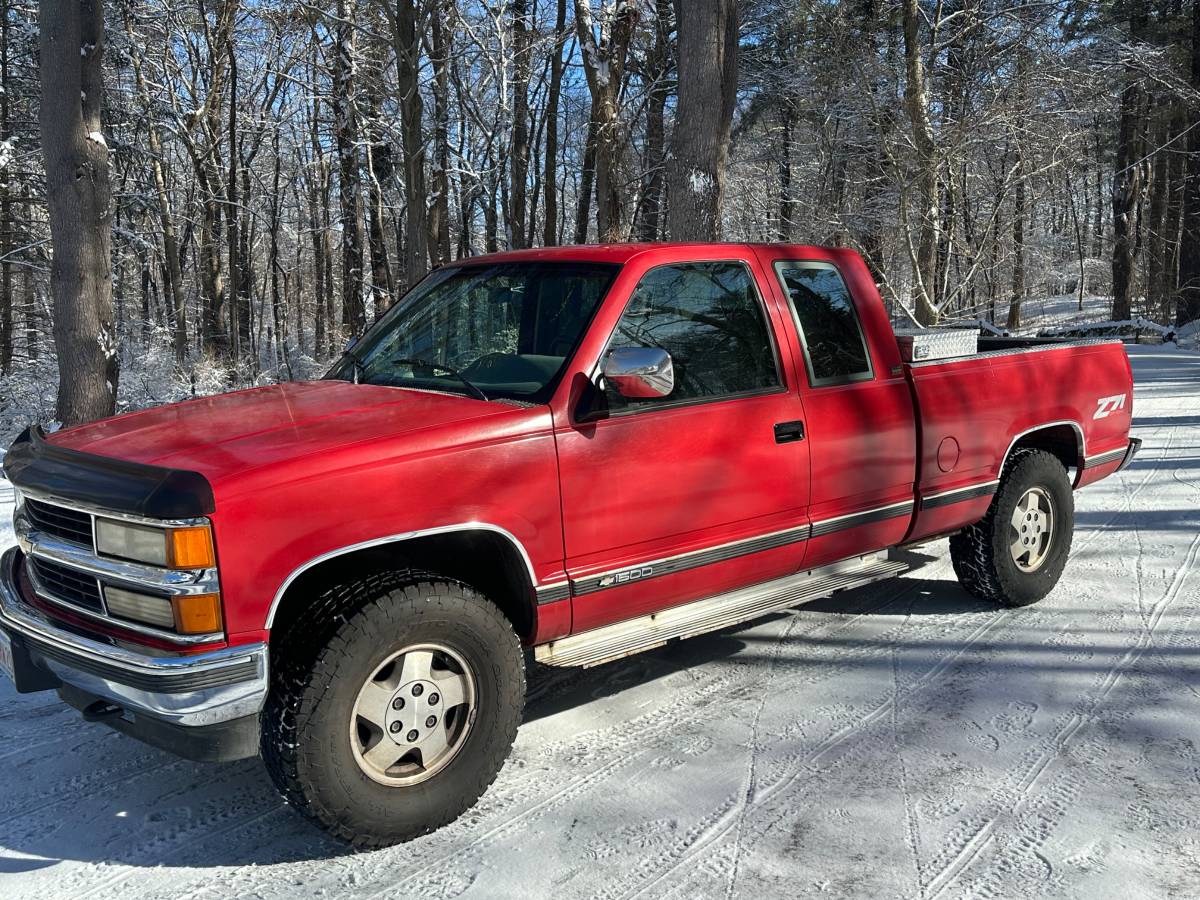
{"x":980,"y":553}
{"x":324,"y":659}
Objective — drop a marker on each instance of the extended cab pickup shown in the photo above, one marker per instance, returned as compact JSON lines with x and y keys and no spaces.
{"x":584,"y":451}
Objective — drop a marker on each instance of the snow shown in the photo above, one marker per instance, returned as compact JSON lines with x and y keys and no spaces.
{"x":901,"y":740}
{"x":701,"y":183}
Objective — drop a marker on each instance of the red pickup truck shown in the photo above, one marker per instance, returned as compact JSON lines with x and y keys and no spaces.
{"x":584,"y":452}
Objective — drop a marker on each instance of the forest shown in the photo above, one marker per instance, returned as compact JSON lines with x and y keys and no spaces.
{"x":200,"y":195}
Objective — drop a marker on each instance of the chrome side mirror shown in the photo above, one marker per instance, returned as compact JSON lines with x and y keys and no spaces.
{"x":640,"y":373}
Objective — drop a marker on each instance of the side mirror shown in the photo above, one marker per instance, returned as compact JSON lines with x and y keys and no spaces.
{"x":353,"y":339}
{"x":640,"y":373}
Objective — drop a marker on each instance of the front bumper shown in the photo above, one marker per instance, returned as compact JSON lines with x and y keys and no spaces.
{"x":201,"y":690}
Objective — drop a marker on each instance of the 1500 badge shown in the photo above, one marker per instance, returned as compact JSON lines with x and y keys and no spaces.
{"x":631,"y":575}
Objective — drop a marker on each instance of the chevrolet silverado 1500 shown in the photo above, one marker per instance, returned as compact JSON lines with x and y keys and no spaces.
{"x":584,"y":452}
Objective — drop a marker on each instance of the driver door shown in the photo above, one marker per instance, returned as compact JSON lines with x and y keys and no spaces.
{"x":675,"y":498}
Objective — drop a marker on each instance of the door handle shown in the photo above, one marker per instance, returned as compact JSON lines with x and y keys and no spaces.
{"x":789,"y":432}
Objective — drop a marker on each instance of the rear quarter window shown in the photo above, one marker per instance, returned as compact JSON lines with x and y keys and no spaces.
{"x":834,"y":349}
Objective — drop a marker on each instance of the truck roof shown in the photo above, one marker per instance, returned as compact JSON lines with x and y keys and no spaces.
{"x":622,"y":253}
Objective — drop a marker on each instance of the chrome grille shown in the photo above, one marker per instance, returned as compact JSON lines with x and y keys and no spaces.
{"x":68,"y":524}
{"x":67,"y":585}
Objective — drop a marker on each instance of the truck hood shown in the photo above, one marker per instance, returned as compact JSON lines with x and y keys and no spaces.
{"x":230,"y":434}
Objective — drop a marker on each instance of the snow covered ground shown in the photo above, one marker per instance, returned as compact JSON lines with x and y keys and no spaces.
{"x":902,"y":740}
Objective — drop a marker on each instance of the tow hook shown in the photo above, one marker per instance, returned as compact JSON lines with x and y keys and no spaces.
{"x":101,"y":710}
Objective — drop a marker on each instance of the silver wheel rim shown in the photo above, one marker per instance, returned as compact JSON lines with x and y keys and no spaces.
{"x":1031,"y":529}
{"x":413,"y":715}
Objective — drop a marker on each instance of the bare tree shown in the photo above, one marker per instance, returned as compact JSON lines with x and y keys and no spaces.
{"x":79,"y":195}
{"x":522,"y":47}
{"x":550,"y":158}
{"x":403,"y":19}
{"x":1128,"y":179}
{"x":708,"y":53}
{"x":1188,"y":309}
{"x":916,"y":98}
{"x":604,"y":41}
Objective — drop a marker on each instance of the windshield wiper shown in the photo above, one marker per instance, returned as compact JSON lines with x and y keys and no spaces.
{"x":449,"y":370}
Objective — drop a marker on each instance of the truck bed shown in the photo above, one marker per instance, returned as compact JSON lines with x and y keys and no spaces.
{"x":972,"y":409}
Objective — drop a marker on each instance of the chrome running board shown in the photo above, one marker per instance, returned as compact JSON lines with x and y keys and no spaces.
{"x":590,"y":648}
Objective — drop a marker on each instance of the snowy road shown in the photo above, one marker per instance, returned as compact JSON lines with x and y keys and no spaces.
{"x":902,"y":740}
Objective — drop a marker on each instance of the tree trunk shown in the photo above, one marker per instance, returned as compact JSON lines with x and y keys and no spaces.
{"x":1156,"y":244}
{"x":604,"y":59}
{"x":1127,"y":180}
{"x":379,"y":170}
{"x":79,"y":195}
{"x":518,"y":165}
{"x":345,"y":119}
{"x":649,"y":216}
{"x":1018,"y":272}
{"x":1188,"y":307}
{"x":550,"y":171}
{"x":439,"y":210}
{"x":239,"y":306}
{"x":6,"y":219}
{"x":31,"y":298}
{"x":416,"y":234}
{"x":214,"y":336}
{"x":587,"y":177}
{"x":916,"y":98}
{"x":166,"y":216}
{"x":1098,"y":224}
{"x":787,"y":199}
{"x":708,"y":52}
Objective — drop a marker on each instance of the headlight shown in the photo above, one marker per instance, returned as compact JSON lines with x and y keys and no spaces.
{"x":189,"y":547}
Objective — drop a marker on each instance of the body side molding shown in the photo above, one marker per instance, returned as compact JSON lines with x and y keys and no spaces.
{"x":958,"y":495}
{"x":671,"y":565}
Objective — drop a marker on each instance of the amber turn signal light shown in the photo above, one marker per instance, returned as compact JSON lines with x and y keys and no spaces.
{"x":197,"y":613}
{"x":192,"y":548}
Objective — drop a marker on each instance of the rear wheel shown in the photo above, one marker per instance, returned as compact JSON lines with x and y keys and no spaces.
{"x":1015,"y":554}
{"x":394,"y":704}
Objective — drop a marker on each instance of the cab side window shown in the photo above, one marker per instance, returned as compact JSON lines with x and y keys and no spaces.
{"x":708,"y":316}
{"x":834,"y":348}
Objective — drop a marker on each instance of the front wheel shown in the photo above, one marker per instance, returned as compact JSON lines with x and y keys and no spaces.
{"x":391,"y":718}
{"x":1015,"y":554}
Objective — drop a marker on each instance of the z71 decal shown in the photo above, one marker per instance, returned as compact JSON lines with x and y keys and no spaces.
{"x":1107,"y":405}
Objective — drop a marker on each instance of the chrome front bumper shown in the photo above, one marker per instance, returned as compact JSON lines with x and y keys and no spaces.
{"x":197,"y":689}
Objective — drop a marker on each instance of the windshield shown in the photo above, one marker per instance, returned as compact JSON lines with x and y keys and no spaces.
{"x":489,"y":330}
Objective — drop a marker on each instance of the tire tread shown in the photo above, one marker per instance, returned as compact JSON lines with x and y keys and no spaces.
{"x":974,"y":551}
{"x":341,"y":619}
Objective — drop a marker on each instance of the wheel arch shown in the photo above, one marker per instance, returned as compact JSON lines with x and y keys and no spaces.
{"x":486,"y":557}
{"x":1062,"y":439}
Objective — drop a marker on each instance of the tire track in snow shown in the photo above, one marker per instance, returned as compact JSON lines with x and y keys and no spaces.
{"x":810,"y":762}
{"x":1011,"y":801}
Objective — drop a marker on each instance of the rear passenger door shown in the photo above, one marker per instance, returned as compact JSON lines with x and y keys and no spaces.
{"x":861,"y":432}
{"x":671,"y":499}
